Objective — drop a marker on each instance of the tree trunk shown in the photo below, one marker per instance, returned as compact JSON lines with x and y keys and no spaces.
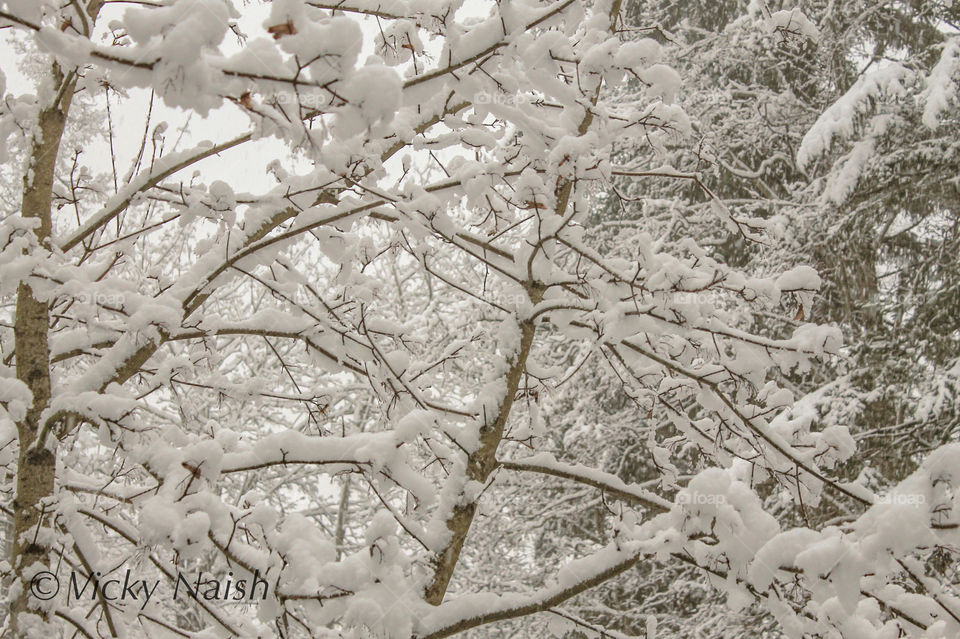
{"x":36,"y":466}
{"x":480,"y":464}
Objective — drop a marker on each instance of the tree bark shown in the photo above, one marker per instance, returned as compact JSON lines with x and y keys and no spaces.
{"x":36,"y":465}
{"x":480,"y":464}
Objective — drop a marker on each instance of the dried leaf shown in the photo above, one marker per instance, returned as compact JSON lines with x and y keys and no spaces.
{"x":533,"y":204}
{"x":280,"y":30}
{"x":325,"y":197}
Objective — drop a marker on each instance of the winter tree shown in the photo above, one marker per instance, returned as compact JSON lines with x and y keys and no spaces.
{"x":396,"y":391}
{"x":885,"y":249}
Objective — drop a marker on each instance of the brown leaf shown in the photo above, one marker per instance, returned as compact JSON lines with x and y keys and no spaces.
{"x":194,"y":470}
{"x":325,"y":197}
{"x":533,"y":204}
{"x":280,"y":30}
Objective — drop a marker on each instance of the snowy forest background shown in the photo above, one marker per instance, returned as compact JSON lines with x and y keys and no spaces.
{"x":516,"y":318}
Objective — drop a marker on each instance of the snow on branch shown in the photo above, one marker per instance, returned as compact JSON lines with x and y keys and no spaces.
{"x":335,"y":350}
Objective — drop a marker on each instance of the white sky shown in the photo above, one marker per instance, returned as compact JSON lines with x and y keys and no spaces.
{"x":245,"y":165}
